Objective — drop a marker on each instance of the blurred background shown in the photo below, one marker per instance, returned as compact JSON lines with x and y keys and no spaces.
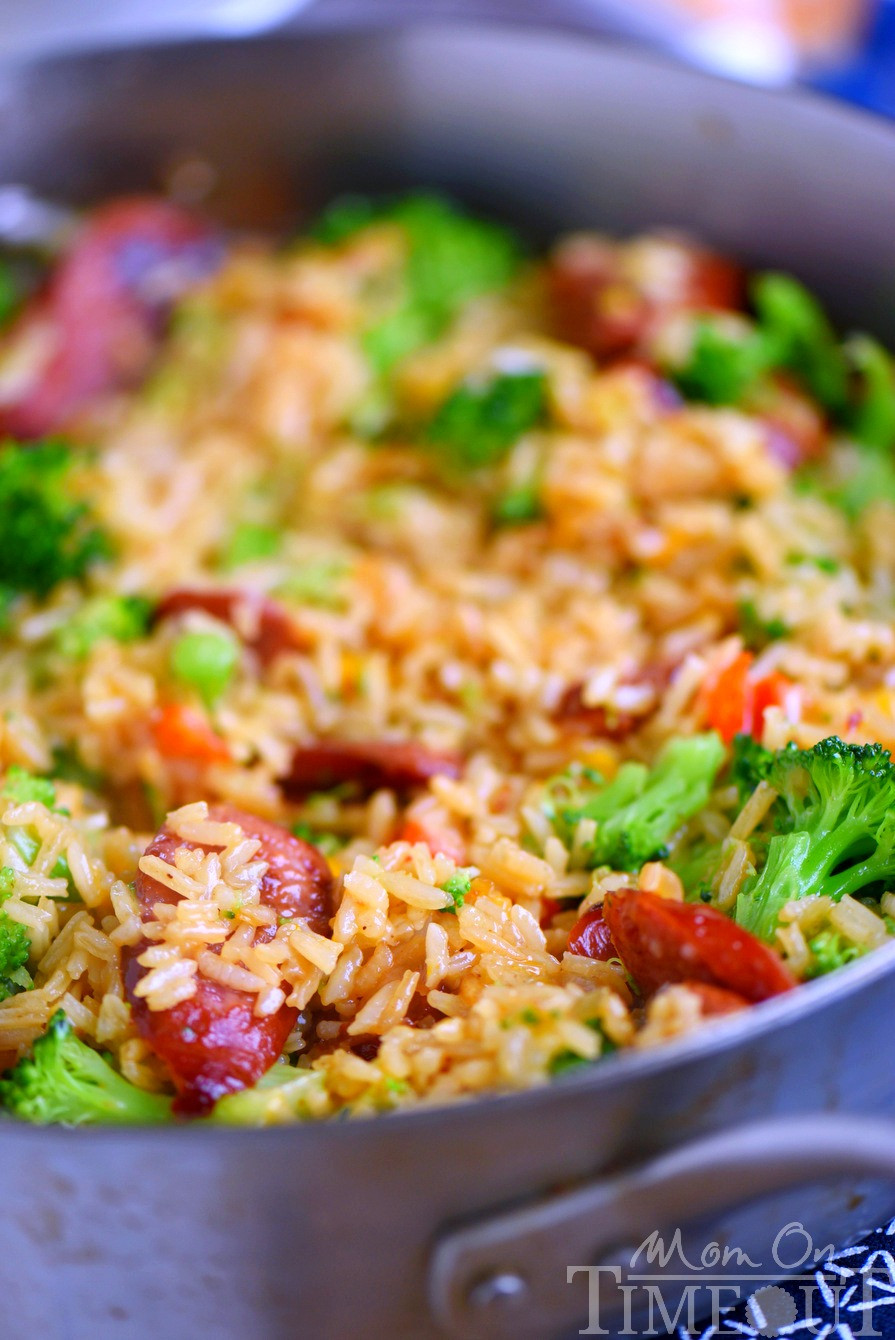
{"x":844,"y":46}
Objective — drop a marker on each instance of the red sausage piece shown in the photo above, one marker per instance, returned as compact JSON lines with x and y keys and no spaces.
{"x":100,"y":316}
{"x":661,"y":941}
{"x":213,"y":1044}
{"x":590,"y":937}
{"x":369,"y":764}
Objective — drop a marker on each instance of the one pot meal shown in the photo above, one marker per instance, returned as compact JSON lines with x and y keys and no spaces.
{"x":426,"y":668}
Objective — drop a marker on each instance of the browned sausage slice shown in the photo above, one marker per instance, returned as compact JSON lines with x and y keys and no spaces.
{"x":95,"y":326}
{"x":600,"y":302}
{"x":213,"y":1043}
{"x":661,"y":941}
{"x":369,"y":764}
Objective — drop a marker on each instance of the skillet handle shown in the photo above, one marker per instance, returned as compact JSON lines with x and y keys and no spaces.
{"x":507,"y":1275}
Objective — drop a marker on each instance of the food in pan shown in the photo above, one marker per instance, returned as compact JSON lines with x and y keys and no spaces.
{"x":426,"y":669}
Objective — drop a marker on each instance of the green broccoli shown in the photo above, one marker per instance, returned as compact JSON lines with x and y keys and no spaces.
{"x":831,"y":831}
{"x":830,"y":951}
{"x":750,"y":764}
{"x":249,"y":542}
{"x":283,"y":1094}
{"x":65,"y":1080}
{"x":21,"y":787}
{"x":862,"y":478}
{"x":68,"y":766}
{"x":799,"y":338}
{"x":641,"y":809}
{"x":46,"y":537}
{"x":721,"y":369}
{"x":11,"y":291}
{"x":458,"y":886}
{"x":346,"y":216}
{"x":791,"y":334}
{"x":15,"y":944}
{"x":864,"y":473}
{"x":452,"y":257}
{"x":116,"y":618}
{"x":479,"y":422}
{"x":872,"y":421}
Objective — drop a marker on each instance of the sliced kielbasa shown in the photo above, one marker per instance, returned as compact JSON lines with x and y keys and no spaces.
{"x":213,"y":1043}
{"x":368,"y":764}
{"x":95,"y":325}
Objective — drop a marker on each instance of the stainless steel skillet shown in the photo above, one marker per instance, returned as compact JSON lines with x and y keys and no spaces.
{"x":465,"y":1221}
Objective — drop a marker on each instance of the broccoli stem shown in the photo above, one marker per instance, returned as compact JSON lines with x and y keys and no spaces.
{"x":65,"y":1080}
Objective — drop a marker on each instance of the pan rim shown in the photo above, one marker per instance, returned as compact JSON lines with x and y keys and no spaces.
{"x":724,"y":1035}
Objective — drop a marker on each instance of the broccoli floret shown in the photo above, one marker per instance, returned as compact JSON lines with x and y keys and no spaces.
{"x":479,"y":423}
{"x":856,"y":478}
{"x":829,"y":951}
{"x":250,"y":542}
{"x":45,"y":535}
{"x":11,"y":291}
{"x":452,"y":257}
{"x":872,"y":420}
{"x":21,"y":787}
{"x":117,"y":618}
{"x":346,"y":216}
{"x":750,"y":764}
{"x":791,"y":334}
{"x":205,"y":660}
{"x":641,"y":809}
{"x":458,"y":886}
{"x":721,"y":369}
{"x":283,"y":1095}
{"x":15,"y":944}
{"x":799,"y":337}
{"x":65,"y":1080}
{"x":831,"y":831}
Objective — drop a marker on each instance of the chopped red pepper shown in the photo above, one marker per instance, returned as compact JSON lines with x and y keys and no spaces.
{"x":441,"y":839}
{"x":734,"y":703}
{"x":182,"y":732}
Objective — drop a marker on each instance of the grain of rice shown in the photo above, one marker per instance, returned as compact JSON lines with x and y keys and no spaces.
{"x":755,"y":809}
{"x":857,"y":922}
{"x":735,"y":869}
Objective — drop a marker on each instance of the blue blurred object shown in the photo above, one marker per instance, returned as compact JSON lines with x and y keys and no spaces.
{"x":869,"y":81}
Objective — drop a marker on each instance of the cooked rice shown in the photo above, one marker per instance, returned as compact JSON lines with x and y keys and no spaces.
{"x":422,"y":625}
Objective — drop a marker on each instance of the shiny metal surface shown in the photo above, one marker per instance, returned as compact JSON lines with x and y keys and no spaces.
{"x":508,"y":1275}
{"x":332,"y":1230}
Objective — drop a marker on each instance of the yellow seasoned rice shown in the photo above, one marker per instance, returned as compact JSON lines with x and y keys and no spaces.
{"x":414,"y":620}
